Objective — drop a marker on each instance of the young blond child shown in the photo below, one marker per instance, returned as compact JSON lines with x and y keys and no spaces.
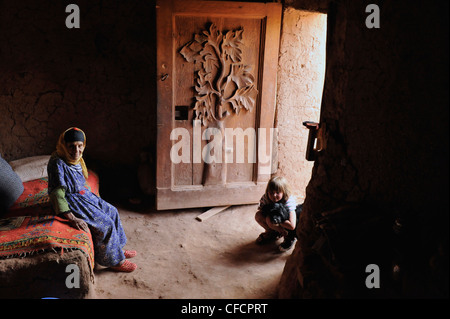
{"x":277,"y":191}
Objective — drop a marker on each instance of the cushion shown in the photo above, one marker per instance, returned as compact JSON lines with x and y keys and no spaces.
{"x":10,"y":185}
{"x":31,"y":168}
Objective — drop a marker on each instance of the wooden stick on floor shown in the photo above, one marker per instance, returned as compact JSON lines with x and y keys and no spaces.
{"x":211,"y":212}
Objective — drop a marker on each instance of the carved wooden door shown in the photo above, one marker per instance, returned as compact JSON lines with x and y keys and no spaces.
{"x":216,"y":68}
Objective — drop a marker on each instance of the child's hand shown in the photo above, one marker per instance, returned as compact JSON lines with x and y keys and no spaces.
{"x":283,"y":231}
{"x":276,"y":227}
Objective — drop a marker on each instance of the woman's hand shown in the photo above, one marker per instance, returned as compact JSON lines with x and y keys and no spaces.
{"x":76,"y":222}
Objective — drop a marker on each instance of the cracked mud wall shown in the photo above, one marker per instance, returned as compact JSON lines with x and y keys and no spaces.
{"x":100,"y":78}
{"x":385,"y":106}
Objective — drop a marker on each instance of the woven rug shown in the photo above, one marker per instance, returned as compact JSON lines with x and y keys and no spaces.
{"x":22,"y":236}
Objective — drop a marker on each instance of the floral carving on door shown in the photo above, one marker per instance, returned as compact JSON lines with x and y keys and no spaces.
{"x":223,"y":84}
{"x":223,"y":79}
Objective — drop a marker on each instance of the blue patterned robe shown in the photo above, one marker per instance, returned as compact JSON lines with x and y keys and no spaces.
{"x":103,"y":218}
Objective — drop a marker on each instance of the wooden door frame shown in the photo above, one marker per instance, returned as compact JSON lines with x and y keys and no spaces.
{"x":233,"y":194}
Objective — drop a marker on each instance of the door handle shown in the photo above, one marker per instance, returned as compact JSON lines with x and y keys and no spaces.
{"x":315,"y":136}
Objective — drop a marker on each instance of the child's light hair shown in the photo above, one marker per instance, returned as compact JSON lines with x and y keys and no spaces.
{"x":279,"y":184}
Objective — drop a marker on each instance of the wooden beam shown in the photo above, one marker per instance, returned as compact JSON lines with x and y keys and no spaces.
{"x":211,"y":212}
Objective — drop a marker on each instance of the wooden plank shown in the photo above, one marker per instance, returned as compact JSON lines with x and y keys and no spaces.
{"x":164,"y":69}
{"x":179,"y":198}
{"x":211,"y":212}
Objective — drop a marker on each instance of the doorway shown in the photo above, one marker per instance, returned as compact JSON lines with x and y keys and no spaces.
{"x":300,"y":78}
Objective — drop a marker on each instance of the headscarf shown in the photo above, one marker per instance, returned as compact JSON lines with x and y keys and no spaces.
{"x":72,"y":134}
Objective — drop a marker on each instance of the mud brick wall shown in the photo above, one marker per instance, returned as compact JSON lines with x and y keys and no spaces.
{"x":301,"y":72}
{"x":384,"y":172}
{"x":100,"y":78}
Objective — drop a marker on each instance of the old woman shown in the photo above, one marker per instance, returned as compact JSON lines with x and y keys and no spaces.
{"x":70,"y":196}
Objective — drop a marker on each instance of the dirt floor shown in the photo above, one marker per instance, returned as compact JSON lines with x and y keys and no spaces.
{"x":180,"y":257}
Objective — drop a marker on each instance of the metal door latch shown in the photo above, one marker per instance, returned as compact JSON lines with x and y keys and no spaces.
{"x":316,"y":139}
